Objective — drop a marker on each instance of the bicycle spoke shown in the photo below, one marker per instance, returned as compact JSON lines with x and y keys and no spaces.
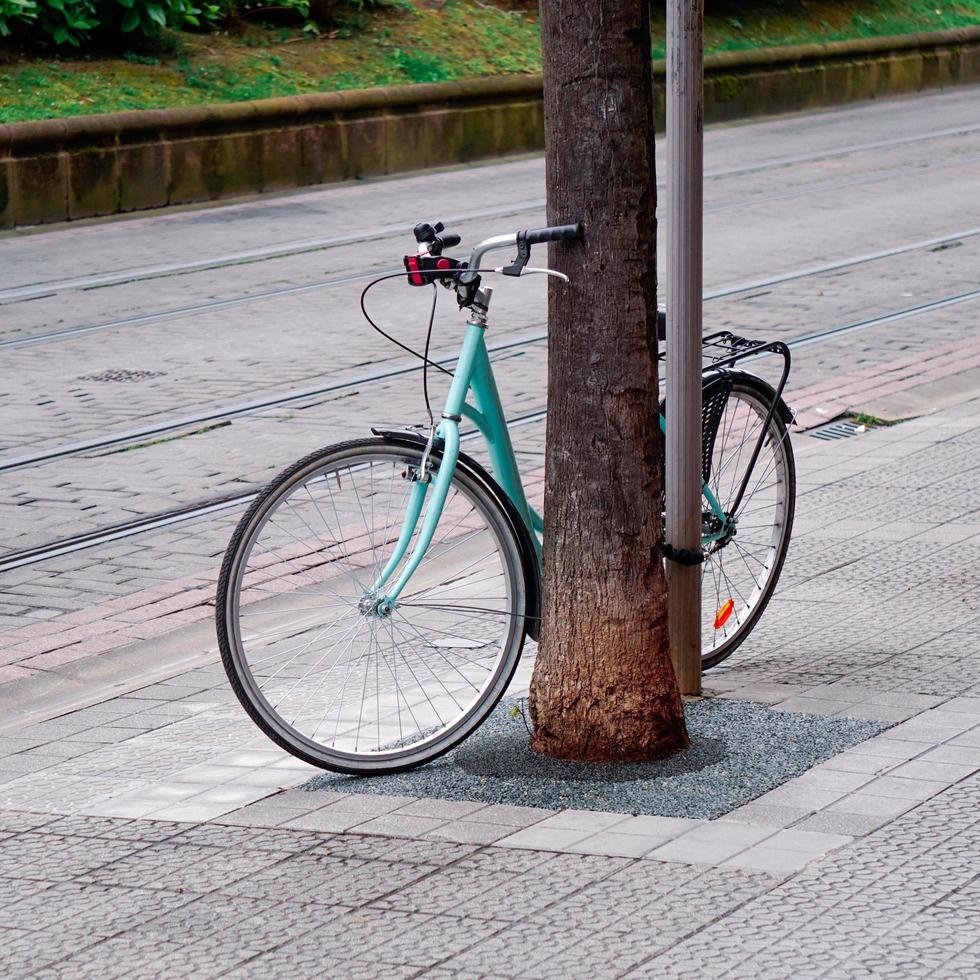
{"x":341,"y":680}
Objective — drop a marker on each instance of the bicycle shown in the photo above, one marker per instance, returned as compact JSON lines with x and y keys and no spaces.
{"x":375,"y":599}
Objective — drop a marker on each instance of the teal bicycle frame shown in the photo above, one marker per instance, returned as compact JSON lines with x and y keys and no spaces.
{"x":473,"y":373}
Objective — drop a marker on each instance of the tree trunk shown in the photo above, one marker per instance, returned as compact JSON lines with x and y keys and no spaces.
{"x":603,"y":687}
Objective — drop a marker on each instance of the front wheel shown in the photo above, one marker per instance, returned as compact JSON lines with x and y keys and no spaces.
{"x":315,"y":665}
{"x":740,"y":572}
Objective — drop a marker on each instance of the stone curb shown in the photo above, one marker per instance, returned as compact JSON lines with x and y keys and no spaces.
{"x":85,"y":166}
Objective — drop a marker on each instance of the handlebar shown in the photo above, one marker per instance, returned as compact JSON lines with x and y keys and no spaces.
{"x":429,"y":265}
{"x":488,"y":245}
{"x":523,"y":240}
{"x":556,"y":233}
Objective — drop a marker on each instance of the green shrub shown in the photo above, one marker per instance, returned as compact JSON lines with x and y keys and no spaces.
{"x":67,"y":21}
{"x":291,"y":9}
{"x":14,"y":13}
{"x":76,"y":23}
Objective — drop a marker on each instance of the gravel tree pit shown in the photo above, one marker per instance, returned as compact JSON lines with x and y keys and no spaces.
{"x":739,"y":750}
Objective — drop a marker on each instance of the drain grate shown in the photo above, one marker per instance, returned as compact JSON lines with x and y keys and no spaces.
{"x":843,"y":429}
{"x":122,"y":374}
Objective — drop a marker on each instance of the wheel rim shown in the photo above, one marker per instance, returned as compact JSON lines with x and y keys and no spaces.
{"x":331,"y":677}
{"x":739,"y":576}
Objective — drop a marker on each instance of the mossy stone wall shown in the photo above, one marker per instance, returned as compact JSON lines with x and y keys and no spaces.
{"x":63,"y":169}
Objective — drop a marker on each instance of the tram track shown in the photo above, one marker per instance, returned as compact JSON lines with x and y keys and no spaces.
{"x":193,"y":511}
{"x":176,"y":515}
{"x":136,"y":436}
{"x":17,"y":294}
{"x":281,"y":292}
{"x":42,"y":289}
{"x":222,"y":413}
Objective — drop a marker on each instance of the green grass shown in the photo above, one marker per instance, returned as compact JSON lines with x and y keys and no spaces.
{"x":159,"y":442}
{"x":731,"y":25}
{"x":406,"y":41}
{"x":872,"y":421}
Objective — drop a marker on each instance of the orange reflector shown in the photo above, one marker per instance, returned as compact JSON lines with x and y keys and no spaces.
{"x":721,"y":617}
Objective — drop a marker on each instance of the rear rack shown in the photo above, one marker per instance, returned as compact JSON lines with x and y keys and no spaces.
{"x":726,"y":346}
{"x":723,"y":349}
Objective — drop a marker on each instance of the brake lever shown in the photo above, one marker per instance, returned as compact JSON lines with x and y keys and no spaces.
{"x":529,"y":271}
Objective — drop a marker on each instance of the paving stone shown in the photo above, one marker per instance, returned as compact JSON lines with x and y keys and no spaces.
{"x":802,"y":797}
{"x":586,"y":820}
{"x":544,"y":838}
{"x":927,"y":769}
{"x":904,"y":789}
{"x":724,"y":832}
{"x":396,"y":825}
{"x":869,"y":765}
{"x":696,"y":852}
{"x":512,"y":816}
{"x":618,"y":845}
{"x":248,"y":838}
{"x":833,"y":780}
{"x":771,"y":816}
{"x":848,"y":824}
{"x":181,"y":867}
{"x":867,"y":803}
{"x":878,"y":712}
{"x":647,"y":825}
{"x":469,"y":832}
{"x":326,"y":820}
{"x":368,"y":805}
{"x":887,"y":747}
{"x":772,"y":859}
{"x":443,"y":809}
{"x":417,"y":853}
{"x":962,"y":704}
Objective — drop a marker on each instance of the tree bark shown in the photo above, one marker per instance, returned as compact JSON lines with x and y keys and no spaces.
{"x":603,"y":687}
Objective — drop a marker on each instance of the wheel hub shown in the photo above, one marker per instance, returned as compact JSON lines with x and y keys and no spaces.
{"x":370,"y":605}
{"x":712,"y":524}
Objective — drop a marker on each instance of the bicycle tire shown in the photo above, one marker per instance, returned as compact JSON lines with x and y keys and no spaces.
{"x":778,"y":455}
{"x":398,"y":754}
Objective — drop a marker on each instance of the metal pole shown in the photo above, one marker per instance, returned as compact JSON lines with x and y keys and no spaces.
{"x":685,"y":115}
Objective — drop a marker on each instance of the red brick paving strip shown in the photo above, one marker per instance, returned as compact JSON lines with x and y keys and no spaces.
{"x":155,"y":611}
{"x":842,"y":392}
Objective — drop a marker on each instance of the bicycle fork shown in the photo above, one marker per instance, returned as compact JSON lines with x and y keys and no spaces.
{"x":382,"y":597}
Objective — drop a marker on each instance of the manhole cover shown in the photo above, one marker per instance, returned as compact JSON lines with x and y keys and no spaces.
{"x":122,"y":374}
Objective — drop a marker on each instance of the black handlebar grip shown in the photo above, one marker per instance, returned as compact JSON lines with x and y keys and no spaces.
{"x":450,"y":241}
{"x":555,"y":234}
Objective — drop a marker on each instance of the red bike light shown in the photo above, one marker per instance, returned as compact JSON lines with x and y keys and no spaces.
{"x":414,"y":266}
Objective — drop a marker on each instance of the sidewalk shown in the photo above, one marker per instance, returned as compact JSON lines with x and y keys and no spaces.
{"x":158,"y":834}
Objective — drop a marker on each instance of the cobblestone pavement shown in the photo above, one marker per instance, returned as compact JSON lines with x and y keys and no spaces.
{"x":162,"y":833}
{"x":147,"y":828}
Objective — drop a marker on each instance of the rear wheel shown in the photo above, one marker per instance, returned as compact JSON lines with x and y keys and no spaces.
{"x":740,"y":572}
{"x":314,"y":664}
